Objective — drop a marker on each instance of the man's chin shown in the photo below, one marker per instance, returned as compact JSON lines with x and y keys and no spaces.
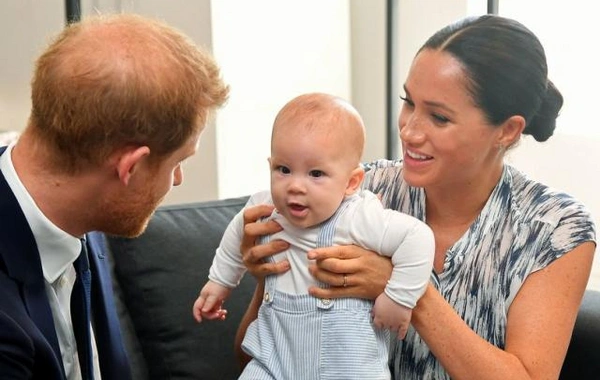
{"x":137,"y":232}
{"x":129,"y":230}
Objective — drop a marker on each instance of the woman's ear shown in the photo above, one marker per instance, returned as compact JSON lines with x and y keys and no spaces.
{"x":356,"y":178}
{"x":510,"y":131}
{"x":129,"y":160}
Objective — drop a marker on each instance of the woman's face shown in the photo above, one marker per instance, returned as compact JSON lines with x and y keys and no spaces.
{"x":446,"y":139}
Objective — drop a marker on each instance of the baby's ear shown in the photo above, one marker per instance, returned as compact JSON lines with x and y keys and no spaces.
{"x":356,"y":178}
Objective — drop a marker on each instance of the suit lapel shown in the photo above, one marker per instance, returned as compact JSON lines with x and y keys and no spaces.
{"x":114,"y":363}
{"x":21,"y":258}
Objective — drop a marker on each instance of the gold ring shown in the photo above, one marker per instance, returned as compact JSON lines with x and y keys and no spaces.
{"x":345,"y":280}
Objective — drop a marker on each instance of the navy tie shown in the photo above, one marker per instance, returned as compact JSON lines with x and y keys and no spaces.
{"x":81,"y":311}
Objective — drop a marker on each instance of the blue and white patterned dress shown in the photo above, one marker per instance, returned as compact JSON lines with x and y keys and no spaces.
{"x":523,"y":227}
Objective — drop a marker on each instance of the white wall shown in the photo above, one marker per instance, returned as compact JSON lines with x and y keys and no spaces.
{"x":368,"y":75}
{"x":25,"y":27}
{"x":276,"y":51}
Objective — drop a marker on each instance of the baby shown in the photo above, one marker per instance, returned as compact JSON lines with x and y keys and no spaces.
{"x":316,"y":148}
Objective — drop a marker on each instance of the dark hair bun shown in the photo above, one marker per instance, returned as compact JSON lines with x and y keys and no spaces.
{"x":542,"y":124}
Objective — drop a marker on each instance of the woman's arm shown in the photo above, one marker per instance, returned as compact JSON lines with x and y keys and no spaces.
{"x":249,"y":316}
{"x":253,"y":256}
{"x":540,"y":319}
{"x":538,"y":331}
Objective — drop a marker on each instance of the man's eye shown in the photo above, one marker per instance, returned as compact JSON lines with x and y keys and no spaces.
{"x":283,"y":169}
{"x":316,"y":173}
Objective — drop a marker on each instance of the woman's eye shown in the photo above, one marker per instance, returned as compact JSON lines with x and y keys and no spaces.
{"x":439,"y":118}
{"x":283,"y":169}
{"x":316,"y":173}
{"x":407,"y":101}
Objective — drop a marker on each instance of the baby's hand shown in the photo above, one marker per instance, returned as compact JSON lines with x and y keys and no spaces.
{"x":390,"y":315}
{"x":210,"y":301}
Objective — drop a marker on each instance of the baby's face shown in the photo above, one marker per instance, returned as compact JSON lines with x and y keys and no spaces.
{"x":310,"y":172}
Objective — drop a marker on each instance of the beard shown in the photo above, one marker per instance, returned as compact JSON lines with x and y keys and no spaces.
{"x":129,"y":216}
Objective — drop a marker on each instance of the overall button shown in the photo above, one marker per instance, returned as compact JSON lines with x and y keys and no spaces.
{"x":325,"y":303}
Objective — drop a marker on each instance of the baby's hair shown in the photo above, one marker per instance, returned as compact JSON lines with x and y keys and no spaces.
{"x":324,"y":113}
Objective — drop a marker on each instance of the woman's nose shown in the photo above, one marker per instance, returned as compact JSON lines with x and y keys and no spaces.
{"x":411,"y":129}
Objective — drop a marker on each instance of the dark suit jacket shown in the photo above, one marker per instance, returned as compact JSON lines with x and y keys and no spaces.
{"x":28,"y":343}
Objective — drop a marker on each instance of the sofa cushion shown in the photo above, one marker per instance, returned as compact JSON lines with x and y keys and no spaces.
{"x":160,"y":275}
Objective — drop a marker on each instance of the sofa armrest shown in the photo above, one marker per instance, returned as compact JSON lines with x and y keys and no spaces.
{"x":160,"y":274}
{"x":583,"y":356}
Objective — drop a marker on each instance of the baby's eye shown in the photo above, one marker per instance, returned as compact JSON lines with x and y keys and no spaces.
{"x":316,"y":173}
{"x":283,"y":169}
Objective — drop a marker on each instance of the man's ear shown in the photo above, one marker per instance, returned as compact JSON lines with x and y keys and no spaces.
{"x":128,"y":161}
{"x":355,"y":180}
{"x":511,"y":131}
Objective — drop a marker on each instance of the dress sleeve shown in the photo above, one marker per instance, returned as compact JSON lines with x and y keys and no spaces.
{"x":574,"y":227}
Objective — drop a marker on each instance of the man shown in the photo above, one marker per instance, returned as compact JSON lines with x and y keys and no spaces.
{"x":118,"y":102}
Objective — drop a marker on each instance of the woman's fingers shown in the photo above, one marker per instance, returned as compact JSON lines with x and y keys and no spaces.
{"x":366,"y":272}
{"x":335,"y":292}
{"x":264,"y":269}
{"x":345,"y":259}
{"x":253,"y":213}
{"x":254,"y":255}
{"x":332,"y":278}
{"x":253,"y":258}
{"x":257,"y":253}
{"x":252,"y":229}
{"x":336,"y":252}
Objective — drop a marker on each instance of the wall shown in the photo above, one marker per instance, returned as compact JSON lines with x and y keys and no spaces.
{"x":276,"y":51}
{"x":26,"y":25}
{"x":368,"y":71}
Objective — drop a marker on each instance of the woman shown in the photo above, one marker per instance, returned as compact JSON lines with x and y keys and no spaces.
{"x":512,"y":256}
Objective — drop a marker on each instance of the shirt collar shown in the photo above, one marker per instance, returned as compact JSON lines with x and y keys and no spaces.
{"x":57,"y":248}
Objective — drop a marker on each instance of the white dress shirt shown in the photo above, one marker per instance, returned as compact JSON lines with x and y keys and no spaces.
{"x":58,"y":250}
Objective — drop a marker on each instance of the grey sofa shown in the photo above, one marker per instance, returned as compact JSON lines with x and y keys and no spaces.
{"x":157,"y":277}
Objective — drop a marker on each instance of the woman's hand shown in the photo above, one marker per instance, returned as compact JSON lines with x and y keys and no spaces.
{"x":351,"y":271}
{"x":253,"y":255}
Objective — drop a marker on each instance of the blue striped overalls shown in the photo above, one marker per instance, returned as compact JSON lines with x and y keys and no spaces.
{"x":303,"y":337}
